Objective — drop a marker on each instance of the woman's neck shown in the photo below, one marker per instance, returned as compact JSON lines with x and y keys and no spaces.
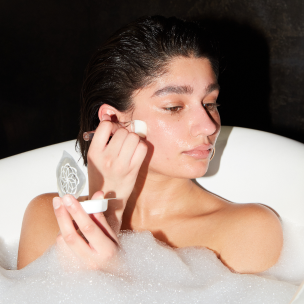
{"x":157,"y":197}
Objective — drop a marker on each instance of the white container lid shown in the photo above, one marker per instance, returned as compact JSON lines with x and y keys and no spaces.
{"x":95,"y":206}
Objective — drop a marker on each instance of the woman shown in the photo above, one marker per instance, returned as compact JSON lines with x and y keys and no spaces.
{"x":164,"y":72}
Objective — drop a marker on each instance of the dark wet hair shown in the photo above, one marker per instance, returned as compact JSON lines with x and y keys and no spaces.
{"x":132,"y":58}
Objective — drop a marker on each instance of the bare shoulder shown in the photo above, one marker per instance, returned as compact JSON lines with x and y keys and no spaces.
{"x":39,"y":229}
{"x":252,"y":239}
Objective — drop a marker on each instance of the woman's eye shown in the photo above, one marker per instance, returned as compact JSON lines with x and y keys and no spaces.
{"x":173,"y":109}
{"x":208,"y":106}
{"x":211,"y":106}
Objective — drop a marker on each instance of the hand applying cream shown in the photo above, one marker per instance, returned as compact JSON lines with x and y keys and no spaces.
{"x":100,"y":149}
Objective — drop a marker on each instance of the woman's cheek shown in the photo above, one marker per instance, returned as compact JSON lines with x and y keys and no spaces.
{"x":169,"y":141}
{"x":166,"y":141}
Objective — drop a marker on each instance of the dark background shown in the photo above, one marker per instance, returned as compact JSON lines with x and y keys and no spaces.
{"x":45,"y":46}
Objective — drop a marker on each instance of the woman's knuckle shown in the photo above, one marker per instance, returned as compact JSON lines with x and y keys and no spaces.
{"x":110,"y":254}
{"x":59,"y":238}
{"x":75,"y":209}
{"x":107,"y":161}
{"x":88,"y":228}
{"x":108,"y":164}
{"x":70,"y":238}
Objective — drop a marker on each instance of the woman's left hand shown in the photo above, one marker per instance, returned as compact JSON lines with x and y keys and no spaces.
{"x":101,"y":248}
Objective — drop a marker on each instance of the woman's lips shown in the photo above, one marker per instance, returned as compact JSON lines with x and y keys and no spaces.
{"x":200,"y":152}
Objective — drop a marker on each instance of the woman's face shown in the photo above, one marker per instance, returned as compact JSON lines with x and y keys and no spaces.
{"x":181,"y":131}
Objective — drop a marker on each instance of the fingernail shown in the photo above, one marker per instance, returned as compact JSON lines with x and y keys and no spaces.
{"x":56,"y":202}
{"x":102,"y":118}
{"x":67,"y":201}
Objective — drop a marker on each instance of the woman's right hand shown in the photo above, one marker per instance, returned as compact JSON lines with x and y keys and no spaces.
{"x":113,"y":168}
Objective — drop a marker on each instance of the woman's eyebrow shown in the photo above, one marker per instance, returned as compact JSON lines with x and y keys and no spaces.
{"x":173,"y":89}
{"x":212,"y":87}
{"x":183,"y":90}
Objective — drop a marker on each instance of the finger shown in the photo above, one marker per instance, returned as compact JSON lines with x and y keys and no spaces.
{"x":68,"y":232}
{"x":102,"y":134}
{"x":115,"y":145}
{"x":63,"y":247}
{"x":96,"y":237}
{"x":101,"y":221}
{"x":139,"y":155}
{"x":98,"y":195}
{"x":67,"y":256}
{"x":129,"y":146}
{"x":105,"y":117}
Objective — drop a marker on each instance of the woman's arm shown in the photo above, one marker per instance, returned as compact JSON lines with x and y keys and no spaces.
{"x":254,"y":239}
{"x":39,"y":229}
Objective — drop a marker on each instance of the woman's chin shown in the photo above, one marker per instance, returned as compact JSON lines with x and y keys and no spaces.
{"x":181,"y":170}
{"x":191,"y":173}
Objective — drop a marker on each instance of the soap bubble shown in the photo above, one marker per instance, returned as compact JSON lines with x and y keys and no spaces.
{"x":151,"y":273}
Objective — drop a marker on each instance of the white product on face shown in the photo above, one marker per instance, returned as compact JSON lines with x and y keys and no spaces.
{"x":139,"y":127}
{"x":95,"y":206}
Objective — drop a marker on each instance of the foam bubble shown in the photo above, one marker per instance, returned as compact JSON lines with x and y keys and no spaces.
{"x":152,"y":273}
{"x":8,"y":255}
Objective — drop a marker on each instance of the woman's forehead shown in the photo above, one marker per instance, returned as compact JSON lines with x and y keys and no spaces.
{"x":183,"y":76}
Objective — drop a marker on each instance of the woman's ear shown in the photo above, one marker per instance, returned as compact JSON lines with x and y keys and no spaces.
{"x":106,"y":109}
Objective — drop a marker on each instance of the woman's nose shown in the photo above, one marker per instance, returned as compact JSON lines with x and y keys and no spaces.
{"x":202,"y":123}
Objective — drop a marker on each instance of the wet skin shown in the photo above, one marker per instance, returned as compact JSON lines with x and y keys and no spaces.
{"x":180,"y":110}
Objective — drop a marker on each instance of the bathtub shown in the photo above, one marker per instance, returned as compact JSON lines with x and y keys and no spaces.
{"x":249,"y":166}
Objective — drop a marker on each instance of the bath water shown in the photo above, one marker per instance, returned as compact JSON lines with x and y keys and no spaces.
{"x":153,"y":273}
